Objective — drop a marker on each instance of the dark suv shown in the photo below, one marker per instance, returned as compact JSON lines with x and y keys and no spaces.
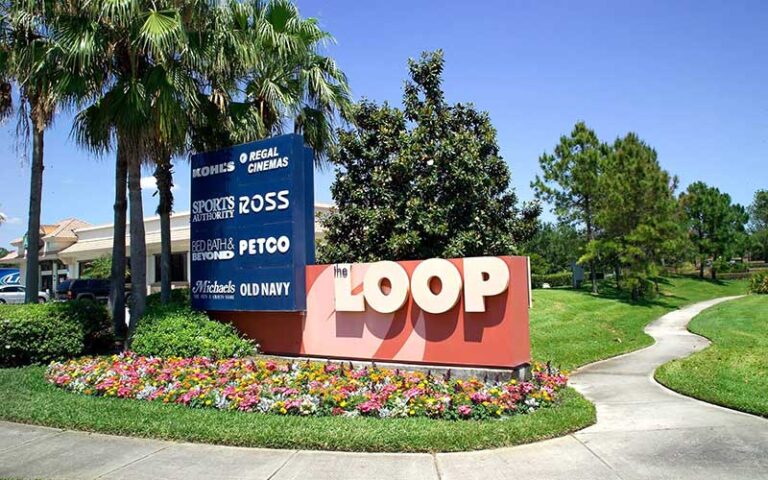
{"x":79,"y":289}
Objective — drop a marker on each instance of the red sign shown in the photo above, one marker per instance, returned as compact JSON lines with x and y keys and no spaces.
{"x":467,"y":312}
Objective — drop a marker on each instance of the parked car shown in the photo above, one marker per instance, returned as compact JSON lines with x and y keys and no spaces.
{"x":17,"y":293}
{"x":83,"y":289}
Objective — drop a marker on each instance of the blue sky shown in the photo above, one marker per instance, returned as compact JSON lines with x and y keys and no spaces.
{"x":691,"y":78}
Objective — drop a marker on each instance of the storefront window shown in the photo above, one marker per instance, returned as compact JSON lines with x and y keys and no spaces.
{"x":178,"y":267}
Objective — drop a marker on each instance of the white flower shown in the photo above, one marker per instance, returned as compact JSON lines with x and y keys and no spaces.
{"x":430,"y":162}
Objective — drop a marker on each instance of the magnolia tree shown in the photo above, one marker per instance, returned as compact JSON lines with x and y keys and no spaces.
{"x":423,"y":181}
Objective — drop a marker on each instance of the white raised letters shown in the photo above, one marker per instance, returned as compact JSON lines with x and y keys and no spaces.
{"x":450,"y":280}
{"x":483,"y":277}
{"x":398,"y":291}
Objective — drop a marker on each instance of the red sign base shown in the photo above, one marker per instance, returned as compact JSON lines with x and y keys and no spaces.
{"x":496,"y":338}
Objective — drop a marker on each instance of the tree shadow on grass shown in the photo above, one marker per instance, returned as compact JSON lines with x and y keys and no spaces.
{"x":696,"y":277}
{"x":609,"y":291}
{"x":666,"y":299}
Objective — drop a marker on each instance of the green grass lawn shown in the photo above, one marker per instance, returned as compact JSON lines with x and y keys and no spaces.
{"x":568,"y":327}
{"x":26,"y":397}
{"x":733,"y":372}
{"x":573,"y":327}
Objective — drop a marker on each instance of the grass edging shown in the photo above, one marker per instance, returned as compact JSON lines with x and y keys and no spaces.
{"x":731,"y":372}
{"x":26,"y":397}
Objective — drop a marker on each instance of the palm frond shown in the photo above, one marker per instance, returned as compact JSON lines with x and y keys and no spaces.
{"x":161,"y":32}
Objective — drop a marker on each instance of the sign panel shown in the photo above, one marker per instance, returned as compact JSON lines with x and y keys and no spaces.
{"x":467,"y":311}
{"x":252,"y":226}
{"x":9,"y":276}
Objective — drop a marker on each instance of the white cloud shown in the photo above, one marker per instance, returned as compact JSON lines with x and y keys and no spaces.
{"x":10,"y":220}
{"x":149,"y":183}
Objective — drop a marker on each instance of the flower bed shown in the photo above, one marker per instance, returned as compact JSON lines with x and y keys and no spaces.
{"x":304,"y":388}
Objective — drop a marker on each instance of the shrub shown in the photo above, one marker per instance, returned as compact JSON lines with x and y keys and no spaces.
{"x":175,"y":330}
{"x":733,"y":275}
{"x":722,"y":266}
{"x":562,"y":279}
{"x":759,"y":283}
{"x":179,"y":296}
{"x":52,"y":331}
{"x":95,"y":321}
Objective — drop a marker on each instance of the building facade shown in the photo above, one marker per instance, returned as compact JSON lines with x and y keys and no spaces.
{"x":69,"y":246}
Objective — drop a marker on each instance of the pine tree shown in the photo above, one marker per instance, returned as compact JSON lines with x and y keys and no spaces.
{"x":715,"y":225}
{"x":570,"y":181}
{"x":637,"y":213}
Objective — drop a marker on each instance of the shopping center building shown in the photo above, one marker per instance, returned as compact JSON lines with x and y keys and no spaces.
{"x":68,"y":246}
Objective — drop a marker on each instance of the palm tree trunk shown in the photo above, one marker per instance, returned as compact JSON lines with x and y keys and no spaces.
{"x":164,"y":178}
{"x":117,"y":291}
{"x":138,"y":247}
{"x":35,"y":200}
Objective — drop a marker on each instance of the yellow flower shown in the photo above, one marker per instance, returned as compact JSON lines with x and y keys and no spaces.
{"x":343,"y":404}
{"x":208,"y":402}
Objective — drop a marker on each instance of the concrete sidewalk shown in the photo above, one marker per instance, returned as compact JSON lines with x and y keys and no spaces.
{"x":643,"y":431}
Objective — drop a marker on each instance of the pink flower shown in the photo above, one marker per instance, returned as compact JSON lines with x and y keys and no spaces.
{"x":369,"y":407}
{"x":124,"y":392}
{"x":465,"y":410}
{"x":413,"y":392}
{"x":480,"y":397}
{"x":330,"y":368}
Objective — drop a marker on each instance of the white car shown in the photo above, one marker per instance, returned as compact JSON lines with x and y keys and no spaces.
{"x":16,"y":293}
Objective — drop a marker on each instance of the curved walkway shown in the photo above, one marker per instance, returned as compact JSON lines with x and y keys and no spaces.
{"x":643,"y":431}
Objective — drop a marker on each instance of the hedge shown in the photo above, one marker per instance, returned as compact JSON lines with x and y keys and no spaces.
{"x":41,"y":333}
{"x":175,"y":330}
{"x":562,"y":279}
{"x":721,"y":275}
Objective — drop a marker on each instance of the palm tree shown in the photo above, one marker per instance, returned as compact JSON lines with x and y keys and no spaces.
{"x":6,"y":100}
{"x":192,"y":72}
{"x":174,"y":94}
{"x":128,"y":40}
{"x":27,"y":58}
{"x":267,"y":76}
{"x":94,"y":129}
{"x":257,"y":68}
